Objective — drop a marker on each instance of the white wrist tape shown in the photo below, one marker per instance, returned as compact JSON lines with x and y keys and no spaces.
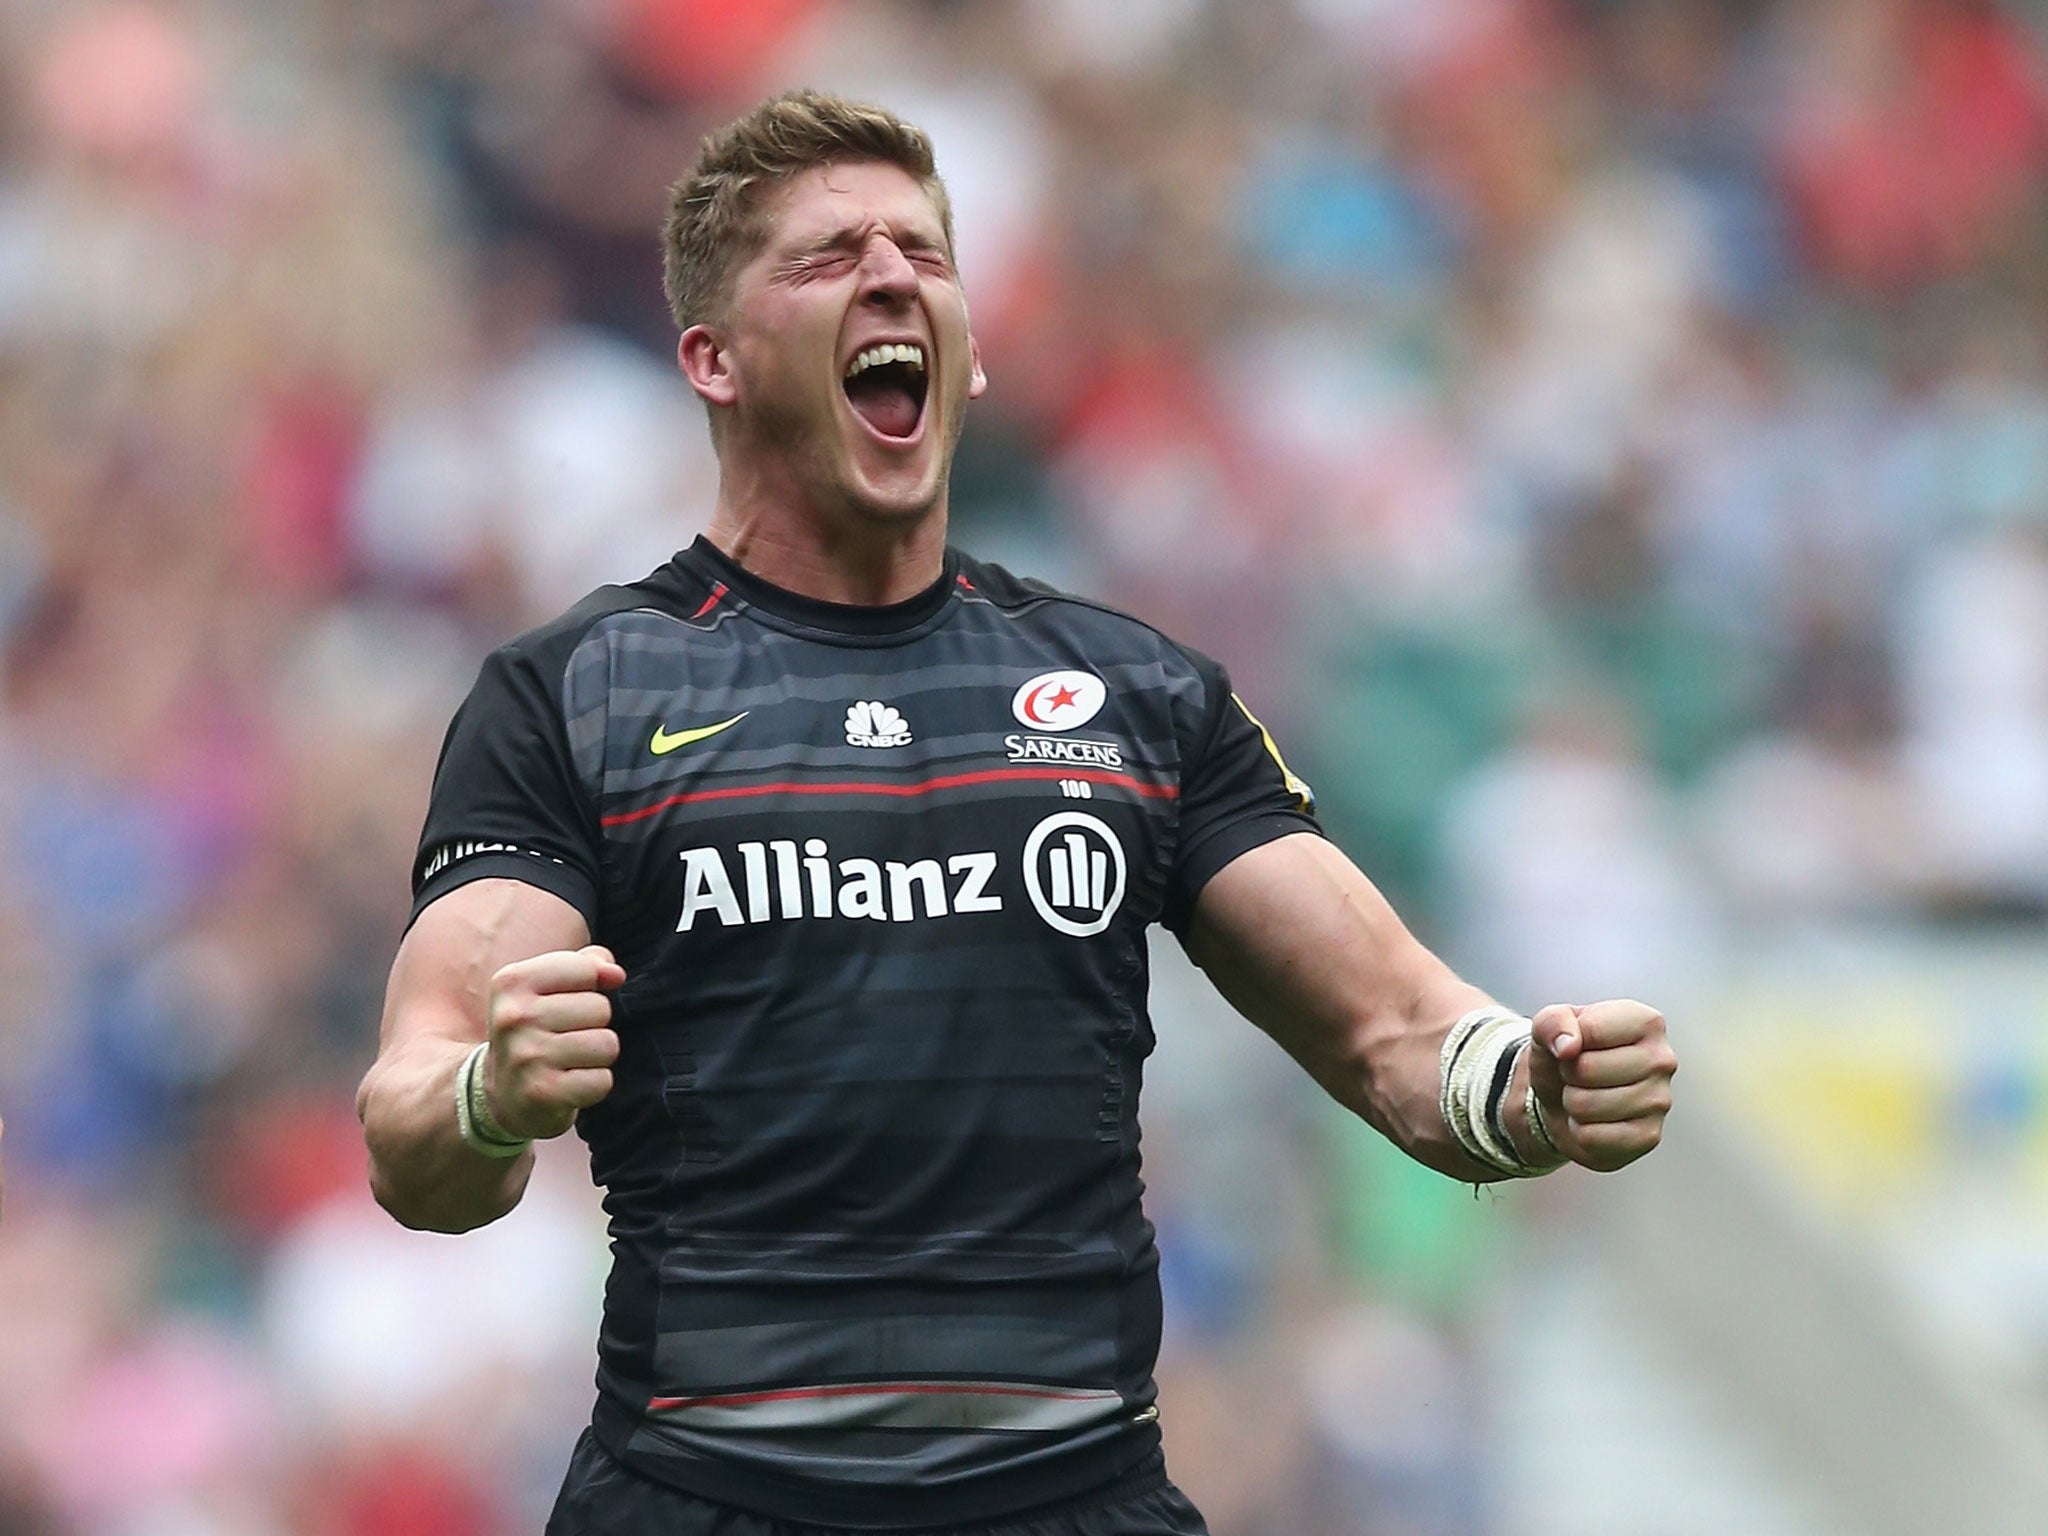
{"x":1539,"y":1125}
{"x":473,"y":1115}
{"x":1477,"y":1067}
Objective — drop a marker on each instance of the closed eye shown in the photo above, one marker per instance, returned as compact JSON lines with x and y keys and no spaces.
{"x":821,"y":264}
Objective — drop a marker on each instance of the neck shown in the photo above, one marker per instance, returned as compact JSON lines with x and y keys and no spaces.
{"x":868,"y":563}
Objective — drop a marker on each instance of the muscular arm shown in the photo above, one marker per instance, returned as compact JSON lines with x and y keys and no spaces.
{"x":1304,"y":946}
{"x":449,"y":977}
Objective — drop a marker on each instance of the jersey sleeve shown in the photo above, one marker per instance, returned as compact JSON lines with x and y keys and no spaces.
{"x":1236,"y":793}
{"x":507,"y":801}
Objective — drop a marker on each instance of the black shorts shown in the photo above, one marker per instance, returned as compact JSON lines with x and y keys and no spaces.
{"x":600,"y":1497}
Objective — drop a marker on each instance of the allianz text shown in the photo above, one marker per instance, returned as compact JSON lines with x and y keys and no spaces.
{"x":775,"y":882}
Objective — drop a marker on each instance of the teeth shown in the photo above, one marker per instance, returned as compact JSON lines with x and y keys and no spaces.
{"x":890,"y":352}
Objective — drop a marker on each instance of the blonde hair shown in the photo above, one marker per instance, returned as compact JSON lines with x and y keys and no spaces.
{"x":715,"y":222}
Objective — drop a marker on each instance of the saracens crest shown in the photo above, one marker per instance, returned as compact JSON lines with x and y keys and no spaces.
{"x":1059,"y":701}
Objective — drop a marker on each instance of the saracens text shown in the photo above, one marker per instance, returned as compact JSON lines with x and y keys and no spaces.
{"x":1068,"y":751}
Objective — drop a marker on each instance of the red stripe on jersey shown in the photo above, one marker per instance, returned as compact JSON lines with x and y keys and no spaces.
{"x":923,"y":787}
{"x":710,"y":602}
{"x":873,"y":1389}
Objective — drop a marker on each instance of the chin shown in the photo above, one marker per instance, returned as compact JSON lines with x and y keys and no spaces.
{"x":896,"y":499}
{"x":893,"y":510}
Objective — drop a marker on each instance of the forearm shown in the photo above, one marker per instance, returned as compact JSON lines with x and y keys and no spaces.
{"x":1302,"y":945}
{"x":1395,"y":1081}
{"x":1389,"y":1076}
{"x":1381,"y":1058}
{"x":421,"y":1170}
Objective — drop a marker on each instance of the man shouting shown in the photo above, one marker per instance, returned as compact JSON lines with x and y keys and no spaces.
{"x":809,"y":880}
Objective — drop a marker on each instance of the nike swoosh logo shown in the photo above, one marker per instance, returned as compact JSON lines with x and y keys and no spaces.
{"x":663,"y":741}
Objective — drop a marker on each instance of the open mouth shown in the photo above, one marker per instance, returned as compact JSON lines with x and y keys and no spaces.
{"x":886,"y":386}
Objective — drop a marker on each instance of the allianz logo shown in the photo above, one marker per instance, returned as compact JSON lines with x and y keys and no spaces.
{"x":778,"y":884}
{"x":1074,"y":872}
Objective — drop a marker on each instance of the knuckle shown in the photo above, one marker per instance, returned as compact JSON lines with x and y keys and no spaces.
{"x":511,"y":981}
{"x":513,"y":1010}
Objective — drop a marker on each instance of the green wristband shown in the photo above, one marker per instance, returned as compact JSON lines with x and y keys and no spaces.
{"x":473,"y":1115}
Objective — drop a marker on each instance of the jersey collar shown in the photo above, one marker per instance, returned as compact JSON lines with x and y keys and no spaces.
{"x":712,"y":563}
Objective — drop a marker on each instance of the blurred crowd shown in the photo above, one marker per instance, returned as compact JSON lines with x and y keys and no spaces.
{"x":1607,"y":440}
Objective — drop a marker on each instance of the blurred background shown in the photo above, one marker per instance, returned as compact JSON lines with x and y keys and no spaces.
{"x":1607,"y":441}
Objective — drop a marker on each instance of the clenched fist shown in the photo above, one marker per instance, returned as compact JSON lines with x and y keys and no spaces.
{"x":1603,"y":1074}
{"x":551,"y":1041}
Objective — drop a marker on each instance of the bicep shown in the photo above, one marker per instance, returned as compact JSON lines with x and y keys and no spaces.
{"x":440,"y":980}
{"x":1305,"y":946}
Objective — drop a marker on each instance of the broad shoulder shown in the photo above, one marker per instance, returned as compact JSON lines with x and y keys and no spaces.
{"x":1028,"y":598}
{"x":665,"y":598}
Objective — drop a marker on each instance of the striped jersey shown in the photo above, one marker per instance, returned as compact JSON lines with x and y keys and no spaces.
{"x":880,"y":880}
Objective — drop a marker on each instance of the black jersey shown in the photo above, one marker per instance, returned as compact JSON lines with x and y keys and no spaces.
{"x":879,"y":879}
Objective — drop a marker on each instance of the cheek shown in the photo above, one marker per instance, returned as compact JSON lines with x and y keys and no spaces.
{"x":792,"y":338}
{"x":950,"y":323}
{"x":786,"y":368}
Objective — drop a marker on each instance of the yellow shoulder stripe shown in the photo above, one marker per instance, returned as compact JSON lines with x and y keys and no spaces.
{"x":1297,"y":786}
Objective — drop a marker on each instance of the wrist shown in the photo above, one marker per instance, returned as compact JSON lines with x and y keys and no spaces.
{"x":1483,"y":1062}
{"x":474,"y":1118}
{"x":1538,"y":1144}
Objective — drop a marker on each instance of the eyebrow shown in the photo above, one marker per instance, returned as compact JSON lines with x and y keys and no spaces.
{"x":846,"y":236}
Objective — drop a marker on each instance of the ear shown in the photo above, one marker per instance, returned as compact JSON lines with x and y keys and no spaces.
{"x":702,"y":357}
{"x":977,"y":380}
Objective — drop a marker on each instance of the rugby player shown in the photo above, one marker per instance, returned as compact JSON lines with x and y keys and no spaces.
{"x":809,"y":880}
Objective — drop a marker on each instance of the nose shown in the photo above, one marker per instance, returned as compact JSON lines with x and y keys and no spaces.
{"x":887,"y":278}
